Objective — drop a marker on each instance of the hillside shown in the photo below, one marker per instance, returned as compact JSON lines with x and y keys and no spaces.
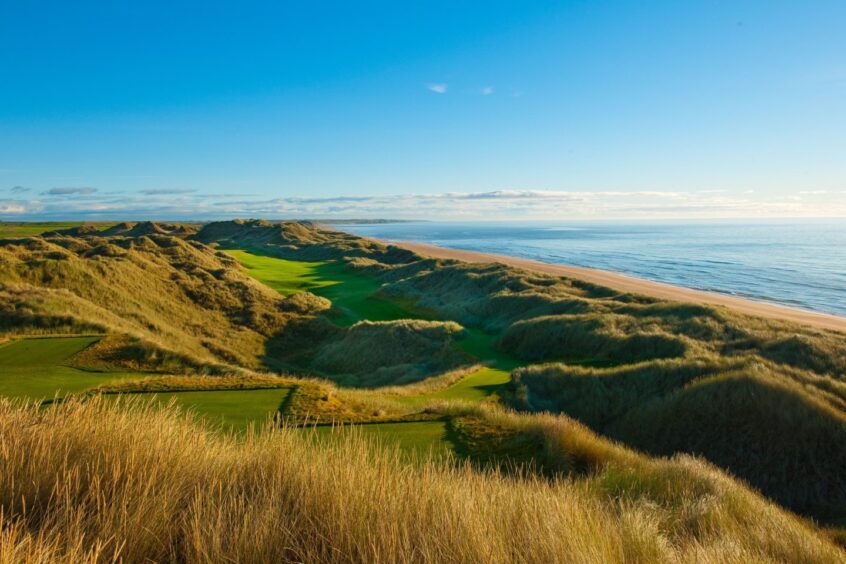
{"x":247,"y":322}
{"x":135,"y":483}
{"x":638,"y":341}
{"x":178,"y":303}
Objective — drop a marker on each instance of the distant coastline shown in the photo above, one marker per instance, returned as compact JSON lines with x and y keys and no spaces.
{"x":791,"y":263}
{"x":625,"y":283}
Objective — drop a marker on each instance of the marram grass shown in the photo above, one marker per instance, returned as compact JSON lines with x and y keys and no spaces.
{"x":96,"y":482}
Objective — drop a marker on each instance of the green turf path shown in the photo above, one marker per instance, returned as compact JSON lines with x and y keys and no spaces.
{"x":35,"y":368}
{"x":350,"y":292}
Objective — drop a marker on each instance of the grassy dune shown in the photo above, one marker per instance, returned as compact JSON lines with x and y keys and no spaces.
{"x":527,"y":317}
{"x":419,"y":354}
{"x":139,"y":484}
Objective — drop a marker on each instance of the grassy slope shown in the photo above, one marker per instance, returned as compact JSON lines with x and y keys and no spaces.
{"x":542,"y":318}
{"x":168,"y":294}
{"x":90,"y":482}
{"x":38,"y":368}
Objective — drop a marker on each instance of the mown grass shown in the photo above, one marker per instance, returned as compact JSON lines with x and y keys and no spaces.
{"x":419,"y":439}
{"x":37,"y":368}
{"x":351,"y":293}
{"x":95,"y":482}
{"x":228,"y":409}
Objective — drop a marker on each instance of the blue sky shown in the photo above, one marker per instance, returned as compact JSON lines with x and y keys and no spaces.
{"x":459,"y":110}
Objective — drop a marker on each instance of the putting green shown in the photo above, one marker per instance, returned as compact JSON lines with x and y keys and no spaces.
{"x":34,"y":368}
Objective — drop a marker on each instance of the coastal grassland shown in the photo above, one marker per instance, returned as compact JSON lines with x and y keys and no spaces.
{"x":140,"y":483}
{"x":631,"y":362}
{"x":177,"y":300}
{"x":762,"y":399}
{"x":40,"y":368}
{"x":779,"y":429}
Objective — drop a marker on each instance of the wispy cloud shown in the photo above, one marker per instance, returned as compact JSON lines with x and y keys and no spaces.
{"x":481,"y":205}
{"x":166,"y":191}
{"x":438,"y":87}
{"x":67,"y":191}
{"x":487,"y":90}
{"x":19,"y":189}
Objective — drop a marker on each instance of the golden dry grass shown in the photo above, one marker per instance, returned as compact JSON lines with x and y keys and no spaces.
{"x":95,"y":482}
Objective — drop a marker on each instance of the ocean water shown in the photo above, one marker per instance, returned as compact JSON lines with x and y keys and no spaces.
{"x":795,"y":263}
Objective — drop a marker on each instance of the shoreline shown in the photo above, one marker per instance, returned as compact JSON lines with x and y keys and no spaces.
{"x":631,"y":284}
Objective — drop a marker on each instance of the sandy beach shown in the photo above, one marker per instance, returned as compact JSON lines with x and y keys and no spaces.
{"x":625,"y":283}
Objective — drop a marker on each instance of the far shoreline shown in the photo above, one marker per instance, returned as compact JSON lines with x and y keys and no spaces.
{"x":631,"y":284}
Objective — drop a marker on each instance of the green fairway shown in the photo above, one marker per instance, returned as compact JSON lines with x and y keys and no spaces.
{"x":36,"y":352}
{"x":417,"y":438}
{"x":34,"y":368}
{"x":475,"y":387}
{"x":233,"y":409}
{"x":350,"y":292}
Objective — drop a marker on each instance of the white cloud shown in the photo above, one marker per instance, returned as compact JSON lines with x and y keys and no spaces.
{"x":495,"y":204}
{"x":438,"y":87}
{"x":487,"y":90}
{"x":19,"y":207}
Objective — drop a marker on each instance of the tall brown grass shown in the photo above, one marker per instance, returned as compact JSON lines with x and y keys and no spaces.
{"x":96,"y":482}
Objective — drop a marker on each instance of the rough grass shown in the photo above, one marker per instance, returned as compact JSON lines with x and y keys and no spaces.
{"x":92,"y":482}
{"x":665,"y":376}
{"x":155,"y":384}
{"x":780,"y":431}
{"x":179,"y":296}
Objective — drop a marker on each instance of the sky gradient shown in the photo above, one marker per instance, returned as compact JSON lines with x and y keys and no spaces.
{"x":444,"y":110}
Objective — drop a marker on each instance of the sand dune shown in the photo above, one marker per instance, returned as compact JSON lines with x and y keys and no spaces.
{"x":625,"y":283}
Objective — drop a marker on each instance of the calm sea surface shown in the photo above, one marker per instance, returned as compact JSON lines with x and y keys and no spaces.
{"x":799,"y":264}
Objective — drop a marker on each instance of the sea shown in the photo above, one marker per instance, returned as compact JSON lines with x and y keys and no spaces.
{"x":795,"y":263}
